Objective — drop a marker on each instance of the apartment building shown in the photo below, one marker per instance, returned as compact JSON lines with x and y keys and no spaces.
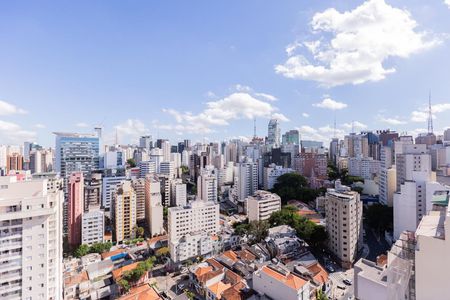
{"x":124,"y":211}
{"x":31,"y":238}
{"x":261,"y":205}
{"x":92,"y":227}
{"x":192,"y":224}
{"x":343,"y":210}
{"x":153,"y":205}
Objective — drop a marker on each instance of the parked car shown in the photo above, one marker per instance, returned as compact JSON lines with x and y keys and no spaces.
{"x":347,"y":281}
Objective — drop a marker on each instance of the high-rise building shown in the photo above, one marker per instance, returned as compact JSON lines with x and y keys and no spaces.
{"x":109,"y":185}
{"x":344,"y":223}
{"x":273,"y":135}
{"x":153,"y":205}
{"x":207,"y":184}
{"x":75,"y":208}
{"x":92,"y":191}
{"x":431,"y":256}
{"x":14,"y":162}
{"x":190,"y":229}
{"x":447,"y":135}
{"x":31,"y":238}
{"x":165,"y":147}
{"x":124,"y":211}
{"x":413,"y":167}
{"x":76,"y":152}
{"x":246,"y":181}
{"x":388,"y":176}
{"x":291,"y":137}
{"x":146,"y":142}
{"x":261,"y":205}
{"x":179,"y":193}
{"x":139,"y":188}
{"x":167,"y":168}
{"x":92,"y":227}
{"x":309,"y":164}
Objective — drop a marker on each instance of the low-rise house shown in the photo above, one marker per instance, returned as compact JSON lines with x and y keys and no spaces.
{"x":99,"y":269}
{"x":117,"y":274}
{"x":142,"y":292}
{"x":280,"y":284}
{"x":214,"y":281}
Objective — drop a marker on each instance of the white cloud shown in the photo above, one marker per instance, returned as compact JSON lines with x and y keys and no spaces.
{"x":305,"y":115}
{"x":243,"y":88}
{"x":362,"y":40}
{"x":82,"y":125}
{"x":10,"y":109}
{"x":130,"y":130}
{"x":390,"y":121}
{"x":238,"y":105}
{"x":39,"y":126}
{"x":421,"y":115}
{"x":447,"y":2}
{"x":266,"y":96}
{"x":323,"y":134}
{"x":15,"y":134}
{"x":354,"y":124}
{"x":329,"y":103}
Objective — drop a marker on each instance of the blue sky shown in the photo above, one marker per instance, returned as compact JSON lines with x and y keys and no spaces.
{"x":205,"y":69}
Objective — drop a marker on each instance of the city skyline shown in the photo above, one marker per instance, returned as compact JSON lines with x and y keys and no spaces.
{"x":132,"y":68}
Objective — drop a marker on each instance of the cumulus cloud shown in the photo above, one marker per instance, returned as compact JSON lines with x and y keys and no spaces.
{"x":361,"y":41}
{"x":305,"y":115}
{"x":354,"y":124}
{"x":323,"y":134}
{"x":14,"y":133}
{"x":329,"y":103}
{"x":10,"y":109}
{"x":391,"y":121}
{"x":447,"y":2}
{"x":421,"y":115}
{"x":242,"y":104}
{"x":131,"y":130}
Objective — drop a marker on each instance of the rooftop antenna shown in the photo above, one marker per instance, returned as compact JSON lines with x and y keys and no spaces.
{"x":117,"y":138}
{"x":254,"y":128}
{"x":430,"y":115}
{"x":353,"y":126}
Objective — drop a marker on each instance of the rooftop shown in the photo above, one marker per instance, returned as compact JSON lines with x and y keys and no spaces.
{"x":143,"y":292}
{"x":432,"y":225}
{"x":117,"y":273}
{"x":289,"y":279}
{"x":371,"y":271}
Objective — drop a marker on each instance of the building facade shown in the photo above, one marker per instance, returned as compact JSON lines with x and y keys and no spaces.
{"x":31,"y":238}
{"x":343,"y":210}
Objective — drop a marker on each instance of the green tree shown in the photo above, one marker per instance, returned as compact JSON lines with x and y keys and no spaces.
{"x":139,"y":231}
{"x":162,"y":252}
{"x":184,"y":170}
{"x":313,"y":234}
{"x":293,"y":186}
{"x":258,"y":231}
{"x":131,"y":162}
{"x":124,"y":285}
{"x":100,"y":247}
{"x":320,"y":295}
{"x":82,"y":250}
